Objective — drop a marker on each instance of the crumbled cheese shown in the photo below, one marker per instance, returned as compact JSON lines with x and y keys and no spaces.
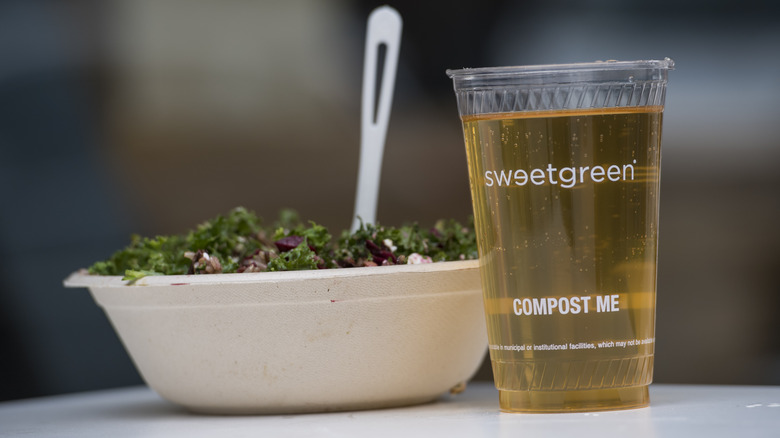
{"x":416,"y":259}
{"x":389,"y":244}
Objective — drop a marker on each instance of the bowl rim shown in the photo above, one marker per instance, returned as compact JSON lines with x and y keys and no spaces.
{"x":81,"y":278}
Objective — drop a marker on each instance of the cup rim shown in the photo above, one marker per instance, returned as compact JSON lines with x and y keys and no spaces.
{"x":609,"y":65}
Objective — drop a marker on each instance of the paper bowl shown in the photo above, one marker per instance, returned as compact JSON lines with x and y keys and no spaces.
{"x":303,"y":341}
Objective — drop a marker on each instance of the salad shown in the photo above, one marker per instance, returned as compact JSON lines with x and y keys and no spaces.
{"x":239,"y":242}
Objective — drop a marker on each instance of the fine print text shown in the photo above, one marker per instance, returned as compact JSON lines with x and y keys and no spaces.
{"x":575,"y":346}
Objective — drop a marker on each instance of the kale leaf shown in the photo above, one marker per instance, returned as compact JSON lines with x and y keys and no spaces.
{"x":238,"y":242}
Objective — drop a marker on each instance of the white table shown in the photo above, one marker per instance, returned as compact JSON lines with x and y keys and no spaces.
{"x":675,"y":411}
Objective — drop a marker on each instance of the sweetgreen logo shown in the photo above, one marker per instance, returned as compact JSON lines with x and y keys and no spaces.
{"x":566,"y":177}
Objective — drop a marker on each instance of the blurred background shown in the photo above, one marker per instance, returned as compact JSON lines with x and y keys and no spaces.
{"x":150,"y":116}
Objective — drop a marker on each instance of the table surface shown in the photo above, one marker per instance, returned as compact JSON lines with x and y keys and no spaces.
{"x":676,"y":410}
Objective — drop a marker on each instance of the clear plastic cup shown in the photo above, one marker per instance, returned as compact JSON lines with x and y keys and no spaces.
{"x":564,"y":166}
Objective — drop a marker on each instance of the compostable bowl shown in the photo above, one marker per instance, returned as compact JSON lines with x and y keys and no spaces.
{"x":300,"y":341}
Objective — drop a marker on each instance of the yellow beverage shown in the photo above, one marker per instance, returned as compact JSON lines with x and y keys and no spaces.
{"x":566,"y":210}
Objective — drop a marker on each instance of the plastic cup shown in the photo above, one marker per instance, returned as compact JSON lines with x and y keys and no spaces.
{"x":564,"y":167}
